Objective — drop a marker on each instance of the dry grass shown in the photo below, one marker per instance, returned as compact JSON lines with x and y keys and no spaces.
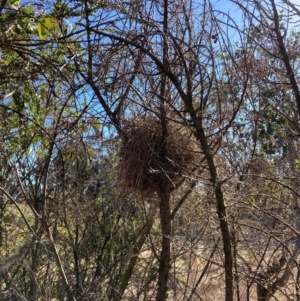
{"x":187,"y":269}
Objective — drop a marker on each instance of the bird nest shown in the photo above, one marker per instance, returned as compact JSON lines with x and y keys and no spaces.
{"x":147,"y":158}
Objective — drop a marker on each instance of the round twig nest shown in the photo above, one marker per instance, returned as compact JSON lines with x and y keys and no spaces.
{"x":149,"y":158}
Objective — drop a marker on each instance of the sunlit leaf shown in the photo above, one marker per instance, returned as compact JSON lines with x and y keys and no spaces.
{"x":14,"y":2}
{"x":44,"y":26}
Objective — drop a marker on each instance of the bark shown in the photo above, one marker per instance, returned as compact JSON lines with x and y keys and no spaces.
{"x":220,"y":202}
{"x":164,"y":264}
{"x":35,"y":253}
{"x":235,"y":263}
{"x":222,"y":214}
{"x":164,"y":189}
{"x":33,"y":287}
{"x":77,"y":269}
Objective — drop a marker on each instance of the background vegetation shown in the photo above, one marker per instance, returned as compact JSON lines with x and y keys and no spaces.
{"x":150,"y":150}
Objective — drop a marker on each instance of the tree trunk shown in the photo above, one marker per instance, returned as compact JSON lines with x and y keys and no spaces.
{"x":164,"y":264}
{"x":220,"y":202}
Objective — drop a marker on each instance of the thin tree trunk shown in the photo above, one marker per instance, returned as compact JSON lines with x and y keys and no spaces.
{"x":220,"y":202}
{"x":32,"y":294}
{"x":164,"y":191}
{"x":77,"y":269}
{"x":164,"y":264}
{"x":235,"y":264}
{"x":226,"y":242}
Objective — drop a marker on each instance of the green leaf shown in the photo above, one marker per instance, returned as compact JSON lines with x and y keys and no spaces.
{"x":28,"y":11}
{"x":14,"y":2}
{"x":44,"y":25}
{"x":41,"y":31}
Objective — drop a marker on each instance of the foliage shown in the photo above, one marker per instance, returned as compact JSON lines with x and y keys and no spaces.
{"x":194,"y":109}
